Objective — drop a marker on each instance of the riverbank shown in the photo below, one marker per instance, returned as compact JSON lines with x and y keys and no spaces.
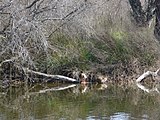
{"x":92,"y":39}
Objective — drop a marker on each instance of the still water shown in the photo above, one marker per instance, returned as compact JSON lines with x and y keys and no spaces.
{"x":79,"y":102}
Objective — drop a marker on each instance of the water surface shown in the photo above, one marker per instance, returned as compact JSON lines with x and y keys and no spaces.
{"x":79,"y":102}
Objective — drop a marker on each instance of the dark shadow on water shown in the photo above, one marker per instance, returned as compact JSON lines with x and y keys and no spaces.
{"x":72,"y":101}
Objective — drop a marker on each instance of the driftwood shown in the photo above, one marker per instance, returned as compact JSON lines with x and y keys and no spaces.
{"x":56,"y":77}
{"x":149,"y":73}
{"x":145,"y":89}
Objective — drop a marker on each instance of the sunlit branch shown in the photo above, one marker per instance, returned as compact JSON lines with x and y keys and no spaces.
{"x":148,"y":73}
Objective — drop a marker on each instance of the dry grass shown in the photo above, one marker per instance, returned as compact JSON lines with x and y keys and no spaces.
{"x":97,"y":31}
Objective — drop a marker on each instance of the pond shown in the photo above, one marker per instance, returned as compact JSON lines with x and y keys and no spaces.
{"x":78,"y":102}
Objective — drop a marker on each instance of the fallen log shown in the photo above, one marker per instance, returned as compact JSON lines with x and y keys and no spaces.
{"x":149,"y":73}
{"x":56,"y":77}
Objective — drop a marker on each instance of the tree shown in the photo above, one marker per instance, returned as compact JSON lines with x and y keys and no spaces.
{"x":157,"y":24}
{"x":143,"y":12}
{"x":26,"y":25}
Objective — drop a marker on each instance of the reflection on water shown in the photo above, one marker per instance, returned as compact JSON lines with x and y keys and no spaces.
{"x":120,"y":116}
{"x":79,"y":102}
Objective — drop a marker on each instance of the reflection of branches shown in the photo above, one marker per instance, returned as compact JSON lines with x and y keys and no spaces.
{"x":57,"y":88}
{"x":84,"y":89}
{"x":142,"y":87}
{"x":78,"y":89}
{"x":145,"y":75}
{"x":36,"y":90}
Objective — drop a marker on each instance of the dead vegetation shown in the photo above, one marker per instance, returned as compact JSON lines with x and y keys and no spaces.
{"x":51,"y":37}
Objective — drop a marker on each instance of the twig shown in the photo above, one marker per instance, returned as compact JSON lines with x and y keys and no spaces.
{"x":34,"y":2}
{"x":8,"y":60}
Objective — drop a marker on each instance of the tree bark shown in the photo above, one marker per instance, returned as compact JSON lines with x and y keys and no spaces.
{"x":157,"y":24}
{"x":144,"y":12}
{"x":137,"y":12}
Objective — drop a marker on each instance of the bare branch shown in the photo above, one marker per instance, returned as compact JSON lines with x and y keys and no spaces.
{"x":33,"y":3}
{"x":69,"y":15}
{"x":5,"y":6}
{"x":9,"y":60}
{"x":148,"y":73}
{"x":56,"y":77}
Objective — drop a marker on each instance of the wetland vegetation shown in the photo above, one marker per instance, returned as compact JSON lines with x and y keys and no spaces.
{"x":45,"y":45}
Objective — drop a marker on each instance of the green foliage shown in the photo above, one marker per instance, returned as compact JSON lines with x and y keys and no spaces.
{"x":70,"y":52}
{"x":87,"y":56}
{"x":76,"y":52}
{"x":118,"y":35}
{"x":118,"y":45}
{"x":147,"y":58}
{"x":120,"y":52}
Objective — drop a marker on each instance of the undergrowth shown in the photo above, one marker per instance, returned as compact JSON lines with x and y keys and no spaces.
{"x":96,"y":32}
{"x":119,"y":46}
